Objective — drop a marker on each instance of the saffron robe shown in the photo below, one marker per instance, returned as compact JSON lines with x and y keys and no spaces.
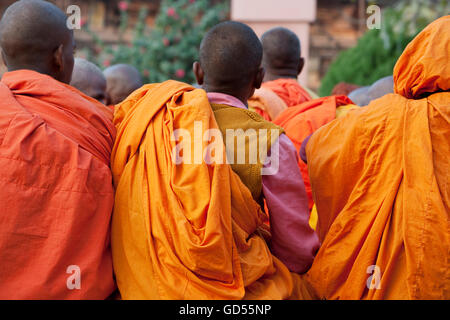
{"x":380,"y":179}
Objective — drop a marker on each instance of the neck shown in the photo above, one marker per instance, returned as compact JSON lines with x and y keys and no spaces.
{"x":272,"y":75}
{"x":242,"y":96}
{"x":39,"y":69}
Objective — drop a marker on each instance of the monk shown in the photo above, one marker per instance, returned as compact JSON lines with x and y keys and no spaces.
{"x":57,"y":194}
{"x":364,"y":95}
{"x":283,"y":63}
{"x":185,"y":226}
{"x":380,"y":181}
{"x":89,"y":79}
{"x":121,"y":81}
{"x":230,"y":75}
{"x":300,"y":122}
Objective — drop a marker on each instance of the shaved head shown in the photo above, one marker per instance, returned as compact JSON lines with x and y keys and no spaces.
{"x":282,"y":52}
{"x":363,"y":96}
{"x":230,"y":58}
{"x":360,"y":96}
{"x":122,"y":80}
{"x":381,"y":88}
{"x":89,"y":79}
{"x":34,"y":35}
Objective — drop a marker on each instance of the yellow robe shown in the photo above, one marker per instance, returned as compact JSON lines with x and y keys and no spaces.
{"x":380,"y":180}
{"x":186,"y":231}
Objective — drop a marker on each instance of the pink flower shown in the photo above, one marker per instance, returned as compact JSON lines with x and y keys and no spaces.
{"x":166,"y":42}
{"x":106,"y":63}
{"x":180,"y":73}
{"x":171,"y":12}
{"x":123,"y":5}
{"x":191,"y":1}
{"x":145,"y":73}
{"x":83,"y":22}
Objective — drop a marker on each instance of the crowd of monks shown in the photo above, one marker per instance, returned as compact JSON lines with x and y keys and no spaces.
{"x":357,"y":208}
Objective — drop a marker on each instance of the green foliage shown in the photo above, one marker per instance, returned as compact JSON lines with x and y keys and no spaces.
{"x":377,"y":51}
{"x":169,"y":48}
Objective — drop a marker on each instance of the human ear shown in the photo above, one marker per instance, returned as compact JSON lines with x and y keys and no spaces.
{"x":301,"y":64}
{"x":58,"y":59}
{"x":198,"y":72}
{"x":259,"y":77}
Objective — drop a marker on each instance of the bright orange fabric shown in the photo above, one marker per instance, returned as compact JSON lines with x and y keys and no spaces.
{"x":380,"y":178}
{"x":302,"y":120}
{"x":267,"y":104}
{"x":186,"y":231}
{"x":57,"y":193}
{"x":289,"y":90}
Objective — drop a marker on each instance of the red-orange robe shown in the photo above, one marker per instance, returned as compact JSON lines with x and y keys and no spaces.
{"x":289,"y":91}
{"x":301,"y":121}
{"x":57,"y":194}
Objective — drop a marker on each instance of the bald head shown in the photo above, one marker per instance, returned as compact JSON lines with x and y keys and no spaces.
{"x":282,"y":53}
{"x":121,"y":80}
{"x":34,"y":35}
{"x":230,"y":60}
{"x":89,"y":79}
{"x":381,"y":88}
{"x":363,"y":96}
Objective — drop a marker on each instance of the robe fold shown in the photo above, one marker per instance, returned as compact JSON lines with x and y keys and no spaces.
{"x":189,"y":230}
{"x":380,"y":179}
{"x":57,"y":193}
{"x":301,"y":121}
{"x":289,"y":90}
{"x":275,"y":96}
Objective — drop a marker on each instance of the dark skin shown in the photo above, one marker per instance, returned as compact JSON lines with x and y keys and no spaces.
{"x":243,"y":93}
{"x":89,"y":79}
{"x":122,"y":80}
{"x":282,"y":54}
{"x":274,"y":74}
{"x":26,"y":44}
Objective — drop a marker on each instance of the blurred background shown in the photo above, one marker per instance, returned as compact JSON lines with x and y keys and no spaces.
{"x":161,"y":37}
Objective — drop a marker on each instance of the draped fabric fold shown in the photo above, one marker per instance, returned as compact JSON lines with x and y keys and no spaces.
{"x":301,"y":121}
{"x":189,"y":230}
{"x":380,"y":179}
{"x":57,"y":192}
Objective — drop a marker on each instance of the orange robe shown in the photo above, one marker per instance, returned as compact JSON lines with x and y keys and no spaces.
{"x":380,"y":179}
{"x":57,"y":194}
{"x":186,"y":231}
{"x":302,"y":120}
{"x":289,"y":91}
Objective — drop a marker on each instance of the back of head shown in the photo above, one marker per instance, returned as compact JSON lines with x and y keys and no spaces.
{"x":360,"y":96}
{"x":424,"y":68}
{"x":230,"y":57}
{"x":282,"y":52}
{"x":34,"y":36}
{"x":89,"y":79}
{"x":122,"y":80}
{"x":381,"y":88}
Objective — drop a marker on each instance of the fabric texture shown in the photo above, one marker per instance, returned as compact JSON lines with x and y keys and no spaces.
{"x":242,"y":121}
{"x":185,"y":231}
{"x":301,"y":121}
{"x":292,"y":241}
{"x":57,"y":192}
{"x":289,"y":90}
{"x":380,"y":178}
